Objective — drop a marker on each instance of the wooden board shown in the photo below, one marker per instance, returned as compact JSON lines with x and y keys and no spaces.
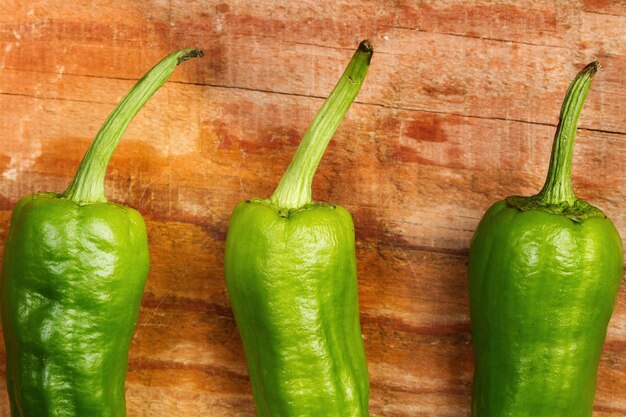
{"x":457,"y":112}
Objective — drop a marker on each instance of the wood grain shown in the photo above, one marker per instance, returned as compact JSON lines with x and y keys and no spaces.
{"x":458,"y":111}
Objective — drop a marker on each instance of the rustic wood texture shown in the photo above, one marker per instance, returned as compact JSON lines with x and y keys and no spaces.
{"x":457,"y":112}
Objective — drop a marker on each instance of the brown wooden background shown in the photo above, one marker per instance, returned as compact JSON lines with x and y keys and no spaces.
{"x":457,"y":112}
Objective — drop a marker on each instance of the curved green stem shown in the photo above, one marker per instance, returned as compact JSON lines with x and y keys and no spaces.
{"x":558,"y":186}
{"x":294,"y":189}
{"x":88,"y":183}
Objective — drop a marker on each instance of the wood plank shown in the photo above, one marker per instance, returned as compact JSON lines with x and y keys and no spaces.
{"x":426,"y":155}
{"x":527,"y":75}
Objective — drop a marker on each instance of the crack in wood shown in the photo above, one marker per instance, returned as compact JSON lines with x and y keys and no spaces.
{"x":604,"y":13}
{"x":356,"y":102}
{"x":486,"y":38}
{"x":38,"y":97}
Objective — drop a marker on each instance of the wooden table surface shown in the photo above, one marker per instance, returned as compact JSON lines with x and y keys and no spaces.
{"x":458,"y":111}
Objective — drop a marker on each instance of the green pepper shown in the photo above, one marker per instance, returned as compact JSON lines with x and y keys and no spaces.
{"x":544,"y":272}
{"x":290,"y":271}
{"x":74,"y":269}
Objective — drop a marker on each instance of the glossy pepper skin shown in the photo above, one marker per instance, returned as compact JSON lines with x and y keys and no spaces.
{"x":544,"y":272}
{"x":73,"y":274}
{"x":291,"y":277}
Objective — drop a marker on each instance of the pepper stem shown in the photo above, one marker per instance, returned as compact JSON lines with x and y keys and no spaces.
{"x":294,"y":189}
{"x":88,"y":183}
{"x":558,"y":186}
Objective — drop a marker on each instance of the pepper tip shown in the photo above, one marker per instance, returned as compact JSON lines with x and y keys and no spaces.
{"x":366,"y":46}
{"x":190,"y":53}
{"x":591,"y":68}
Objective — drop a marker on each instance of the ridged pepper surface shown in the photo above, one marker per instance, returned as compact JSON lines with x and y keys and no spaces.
{"x":544,"y":272}
{"x":73,"y":274}
{"x":291,"y":278}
